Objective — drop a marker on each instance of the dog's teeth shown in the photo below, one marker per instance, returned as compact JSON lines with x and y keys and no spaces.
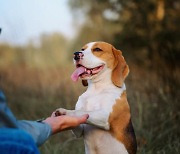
{"x":85,"y":69}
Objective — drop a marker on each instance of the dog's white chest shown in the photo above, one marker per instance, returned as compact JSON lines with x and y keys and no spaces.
{"x":90,"y":101}
{"x":96,"y":140}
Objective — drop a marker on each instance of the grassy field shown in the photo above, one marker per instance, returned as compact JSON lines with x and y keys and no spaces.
{"x":34,"y":93}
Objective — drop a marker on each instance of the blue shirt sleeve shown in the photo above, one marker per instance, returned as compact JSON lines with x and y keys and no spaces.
{"x":7,"y":119}
{"x":38,"y":130}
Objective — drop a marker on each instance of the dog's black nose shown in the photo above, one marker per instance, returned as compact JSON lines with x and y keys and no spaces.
{"x":78,"y":55}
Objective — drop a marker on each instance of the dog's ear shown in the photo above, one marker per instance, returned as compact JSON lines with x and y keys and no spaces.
{"x":120,"y":70}
{"x":84,"y":83}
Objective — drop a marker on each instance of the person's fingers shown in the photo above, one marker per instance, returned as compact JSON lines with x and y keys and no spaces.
{"x":70,"y":122}
{"x":83,"y":118}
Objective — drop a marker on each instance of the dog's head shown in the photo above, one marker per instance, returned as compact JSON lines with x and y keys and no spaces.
{"x":97,"y":57}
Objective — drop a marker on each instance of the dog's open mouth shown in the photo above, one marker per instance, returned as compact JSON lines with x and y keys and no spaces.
{"x":82,"y":71}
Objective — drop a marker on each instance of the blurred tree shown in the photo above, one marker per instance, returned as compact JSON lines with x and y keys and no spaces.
{"x":97,"y":25}
{"x":151,"y":25}
{"x":147,"y":30}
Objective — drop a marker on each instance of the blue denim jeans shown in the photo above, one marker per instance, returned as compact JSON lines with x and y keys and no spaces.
{"x":16,"y":141}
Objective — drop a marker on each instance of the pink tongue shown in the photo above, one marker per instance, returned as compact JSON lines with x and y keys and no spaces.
{"x":77,"y":73}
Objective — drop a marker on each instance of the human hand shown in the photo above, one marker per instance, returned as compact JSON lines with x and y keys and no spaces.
{"x":63,"y":122}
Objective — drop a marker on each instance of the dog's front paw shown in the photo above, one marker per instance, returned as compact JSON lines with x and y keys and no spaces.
{"x":60,"y":112}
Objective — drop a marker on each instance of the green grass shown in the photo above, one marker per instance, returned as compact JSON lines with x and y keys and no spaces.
{"x":35,"y":93}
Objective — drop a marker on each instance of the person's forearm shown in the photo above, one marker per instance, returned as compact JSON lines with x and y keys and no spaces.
{"x":64,"y":122}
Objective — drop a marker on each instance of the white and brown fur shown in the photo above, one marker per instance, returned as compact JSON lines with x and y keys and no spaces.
{"x":109,"y":129}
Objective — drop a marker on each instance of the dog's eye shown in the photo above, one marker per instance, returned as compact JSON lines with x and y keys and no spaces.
{"x":97,"y":49}
{"x":82,"y":49}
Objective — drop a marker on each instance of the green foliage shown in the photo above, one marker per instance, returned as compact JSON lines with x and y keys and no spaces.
{"x":33,"y":93}
{"x":153,"y":25}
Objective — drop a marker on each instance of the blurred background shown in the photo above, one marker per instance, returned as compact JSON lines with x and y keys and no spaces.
{"x":36,"y":46}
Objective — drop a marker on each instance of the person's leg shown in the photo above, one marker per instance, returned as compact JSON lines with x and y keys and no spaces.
{"x":16,"y":141}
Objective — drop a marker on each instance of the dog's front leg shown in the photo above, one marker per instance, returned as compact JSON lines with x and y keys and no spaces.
{"x":79,"y":130}
{"x":97,"y":118}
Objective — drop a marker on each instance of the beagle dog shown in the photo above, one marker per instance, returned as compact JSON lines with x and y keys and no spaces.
{"x":109,"y":129}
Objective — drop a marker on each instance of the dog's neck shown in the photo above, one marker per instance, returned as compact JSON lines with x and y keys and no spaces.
{"x":101,"y":82}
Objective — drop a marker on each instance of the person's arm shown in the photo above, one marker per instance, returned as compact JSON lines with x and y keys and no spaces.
{"x":65,"y":122}
{"x":7,"y":119}
{"x":41,"y":131}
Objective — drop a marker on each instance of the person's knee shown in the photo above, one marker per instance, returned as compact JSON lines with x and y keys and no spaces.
{"x":16,"y":141}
